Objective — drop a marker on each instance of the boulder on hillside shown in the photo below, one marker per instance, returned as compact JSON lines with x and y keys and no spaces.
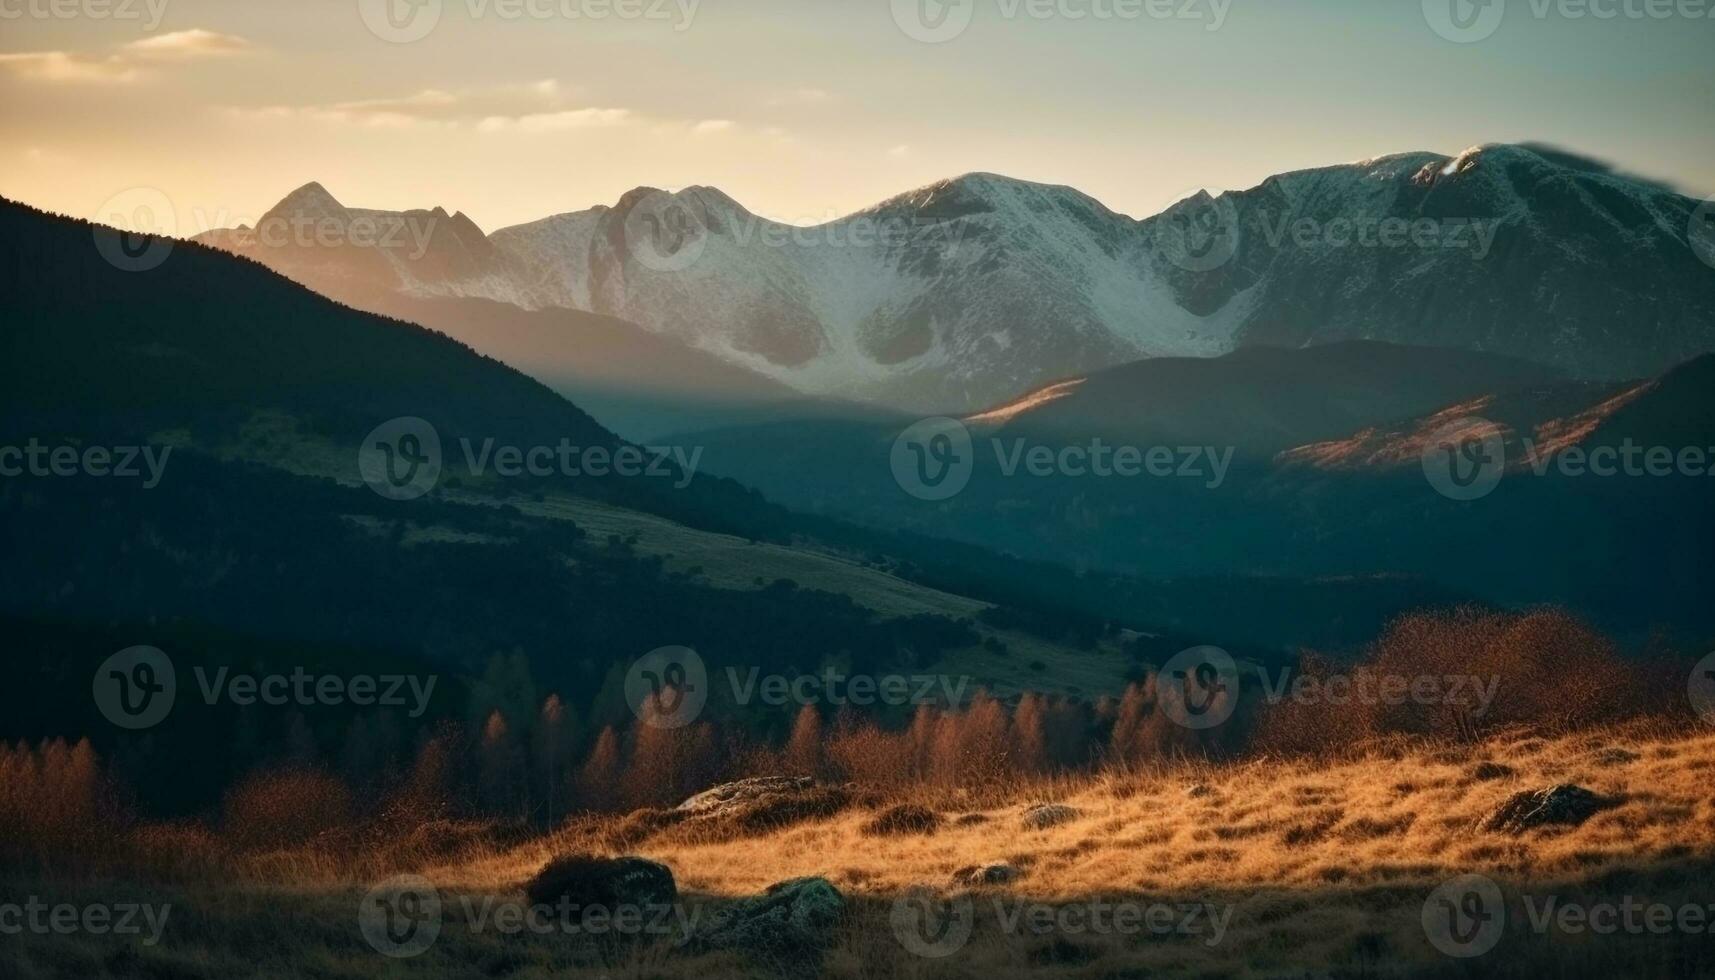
{"x":1563,"y":805}
{"x":587,"y":881}
{"x":986,"y":874}
{"x":761,"y":804}
{"x":745,"y":793}
{"x":1487,"y":770}
{"x":906,"y":818}
{"x":793,"y":920}
{"x":1045,"y":815}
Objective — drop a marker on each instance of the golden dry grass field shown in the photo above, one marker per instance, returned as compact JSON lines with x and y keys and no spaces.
{"x":1292,"y":868}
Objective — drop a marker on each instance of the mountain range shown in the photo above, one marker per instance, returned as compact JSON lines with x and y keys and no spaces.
{"x":961,"y":295}
{"x":1305,"y":464}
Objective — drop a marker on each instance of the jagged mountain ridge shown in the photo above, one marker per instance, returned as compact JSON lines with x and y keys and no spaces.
{"x":962,"y":294}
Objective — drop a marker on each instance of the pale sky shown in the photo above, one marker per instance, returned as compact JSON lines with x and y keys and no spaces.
{"x":510,"y":110}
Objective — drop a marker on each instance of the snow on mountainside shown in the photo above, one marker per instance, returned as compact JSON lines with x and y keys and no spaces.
{"x":954,"y":295}
{"x":960,"y":295}
{"x":1517,"y":250}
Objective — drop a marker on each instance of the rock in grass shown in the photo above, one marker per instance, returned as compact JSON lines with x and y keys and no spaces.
{"x":609,"y":883}
{"x":792,"y":920}
{"x":1485,"y":771}
{"x":986,"y":874}
{"x":906,"y":818}
{"x":746,"y":793}
{"x":1048,"y":815}
{"x":1562,"y":805}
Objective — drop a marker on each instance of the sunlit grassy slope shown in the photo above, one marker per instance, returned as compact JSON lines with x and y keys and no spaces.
{"x":1317,"y":868}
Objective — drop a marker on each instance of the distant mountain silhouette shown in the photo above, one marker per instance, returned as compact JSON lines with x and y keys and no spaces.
{"x":971,"y":291}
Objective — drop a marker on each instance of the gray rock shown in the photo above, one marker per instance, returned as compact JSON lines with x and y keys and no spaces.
{"x":1048,"y":814}
{"x":1562,"y":805}
{"x":792,"y":919}
{"x":1485,"y":771}
{"x":746,"y":793}
{"x":986,"y":874}
{"x":608,"y":883}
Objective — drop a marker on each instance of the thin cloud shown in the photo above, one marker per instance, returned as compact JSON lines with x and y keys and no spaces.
{"x":128,"y":62}
{"x":67,"y":68}
{"x":710,"y":126}
{"x":530,"y":107}
{"x":187,"y":45}
{"x":555,"y":122}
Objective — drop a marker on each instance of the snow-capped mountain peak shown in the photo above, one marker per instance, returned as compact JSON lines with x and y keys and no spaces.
{"x":960,"y":294}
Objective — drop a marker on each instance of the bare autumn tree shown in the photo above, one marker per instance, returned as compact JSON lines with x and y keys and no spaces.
{"x":1125,"y":745}
{"x":922,"y":737}
{"x":552,"y":758}
{"x":501,"y":769}
{"x":429,"y":791}
{"x":983,"y":743}
{"x":598,"y":779}
{"x":1068,"y":733}
{"x":1029,"y":741}
{"x":804,"y":751}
